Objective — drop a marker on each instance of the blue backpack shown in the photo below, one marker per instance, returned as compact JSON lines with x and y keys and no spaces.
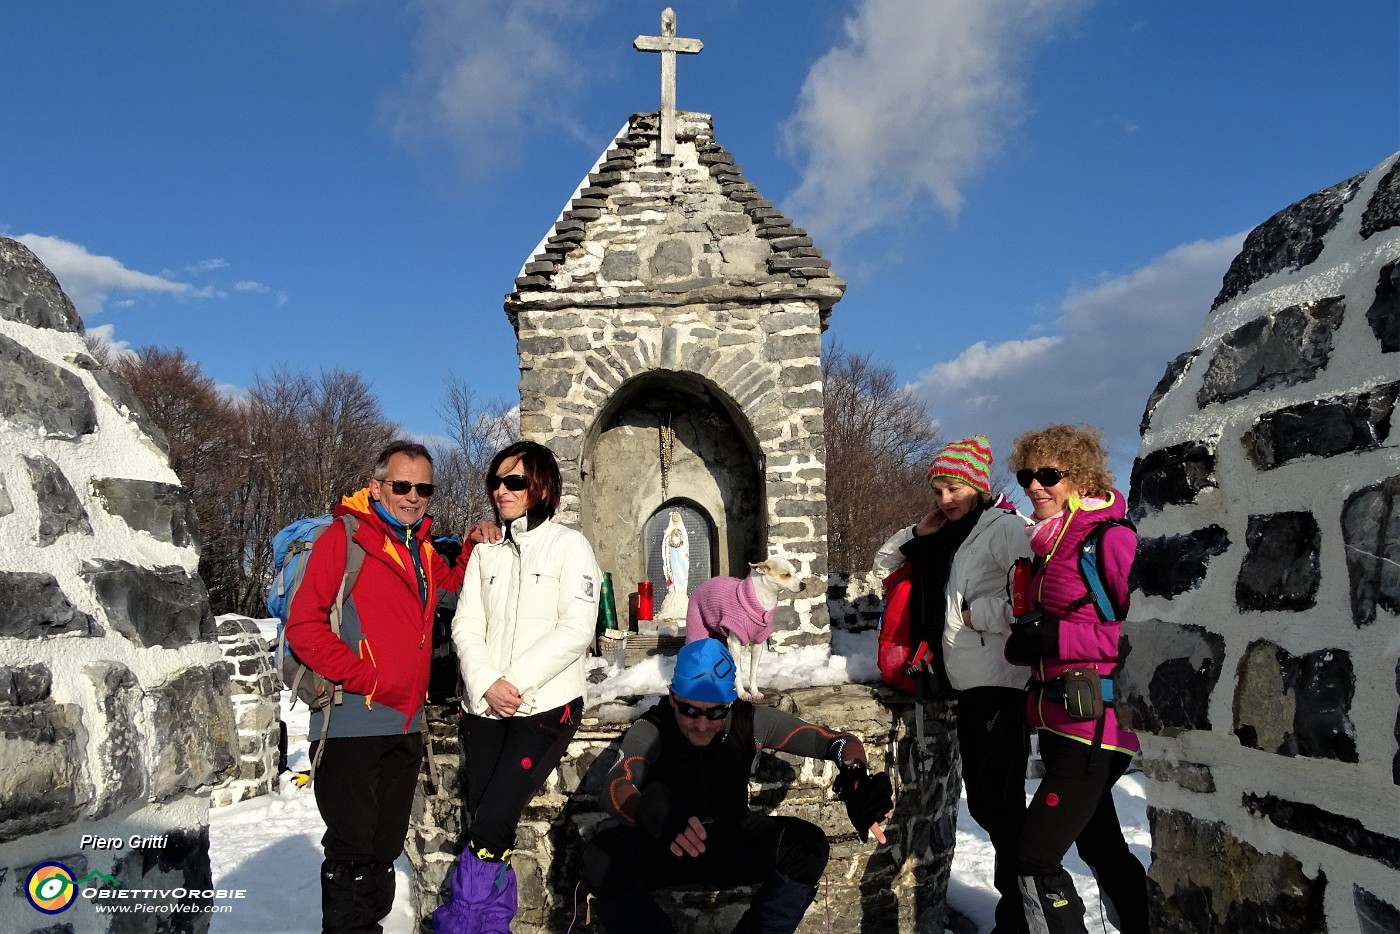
{"x":1089,"y":554}
{"x":291,"y":548}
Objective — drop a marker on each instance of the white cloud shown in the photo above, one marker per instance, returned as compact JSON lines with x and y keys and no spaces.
{"x":485,"y":73}
{"x":249,"y":285}
{"x":918,"y":99}
{"x":107,"y":334}
{"x":89,"y":279}
{"x":207,"y":265}
{"x":1112,"y":343}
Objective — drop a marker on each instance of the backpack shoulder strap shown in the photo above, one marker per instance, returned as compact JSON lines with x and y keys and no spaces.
{"x":354,"y":560}
{"x":1091,"y":569}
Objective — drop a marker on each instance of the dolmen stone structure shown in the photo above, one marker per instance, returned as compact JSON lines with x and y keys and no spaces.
{"x":1262,"y":654}
{"x":114,"y":704}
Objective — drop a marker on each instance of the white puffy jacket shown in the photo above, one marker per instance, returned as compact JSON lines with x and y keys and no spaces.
{"x":527,"y":612}
{"x":973,"y":653}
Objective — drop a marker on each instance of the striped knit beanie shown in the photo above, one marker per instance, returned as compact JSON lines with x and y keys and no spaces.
{"x":969,"y":460}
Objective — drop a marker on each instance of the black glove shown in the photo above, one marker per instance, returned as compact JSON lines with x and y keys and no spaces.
{"x":660,"y":815}
{"x":868,"y":798}
{"x":1033,"y":637}
{"x":449,"y":548}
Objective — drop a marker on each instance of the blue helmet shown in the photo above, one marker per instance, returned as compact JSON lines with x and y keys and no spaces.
{"x":705,"y":672}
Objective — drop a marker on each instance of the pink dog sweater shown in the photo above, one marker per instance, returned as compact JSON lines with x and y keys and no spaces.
{"x":725,"y":605}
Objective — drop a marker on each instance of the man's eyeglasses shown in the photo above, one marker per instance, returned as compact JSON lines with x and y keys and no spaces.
{"x":401,"y":487}
{"x":515,"y":482}
{"x":1045,"y":476}
{"x":690,"y":711}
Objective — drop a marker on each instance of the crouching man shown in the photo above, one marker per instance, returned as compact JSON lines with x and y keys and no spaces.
{"x":680,"y":789}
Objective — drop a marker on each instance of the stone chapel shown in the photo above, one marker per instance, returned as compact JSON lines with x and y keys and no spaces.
{"x":669,"y":331}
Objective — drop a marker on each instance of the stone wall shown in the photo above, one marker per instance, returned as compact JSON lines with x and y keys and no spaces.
{"x":1263,"y":654}
{"x":256,"y":692}
{"x":671,"y":294}
{"x":900,"y":887}
{"x":114,"y":710}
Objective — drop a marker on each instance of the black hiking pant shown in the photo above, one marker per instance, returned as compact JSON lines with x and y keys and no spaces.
{"x":507,"y":762}
{"x":994,"y":743}
{"x":623,"y":865}
{"x":1074,"y":806}
{"x":364,"y":790}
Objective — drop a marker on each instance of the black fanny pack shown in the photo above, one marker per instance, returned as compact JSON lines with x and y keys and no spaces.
{"x":1084,"y":692}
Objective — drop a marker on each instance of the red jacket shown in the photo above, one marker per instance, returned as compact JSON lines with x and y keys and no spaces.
{"x":386,"y":644}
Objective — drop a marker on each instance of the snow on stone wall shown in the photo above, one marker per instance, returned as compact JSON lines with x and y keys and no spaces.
{"x":1261,"y":657}
{"x":114,"y":709}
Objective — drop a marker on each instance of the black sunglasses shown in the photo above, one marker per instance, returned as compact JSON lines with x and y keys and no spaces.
{"x":695,"y":713}
{"x":515,"y":482}
{"x":401,"y":487}
{"x":1045,"y":476}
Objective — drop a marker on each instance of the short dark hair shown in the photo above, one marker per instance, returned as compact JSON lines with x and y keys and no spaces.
{"x":411,"y":448}
{"x":546,"y":486}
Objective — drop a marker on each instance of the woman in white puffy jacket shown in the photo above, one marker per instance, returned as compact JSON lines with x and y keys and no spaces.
{"x":961,"y":553}
{"x":525,"y":619}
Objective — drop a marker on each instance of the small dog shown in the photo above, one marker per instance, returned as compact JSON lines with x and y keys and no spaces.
{"x":739,"y":610}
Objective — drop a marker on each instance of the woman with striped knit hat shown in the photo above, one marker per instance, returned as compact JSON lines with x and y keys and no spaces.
{"x":960,"y":554}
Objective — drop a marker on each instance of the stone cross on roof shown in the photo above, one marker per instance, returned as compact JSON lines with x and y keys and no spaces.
{"x":668,"y":45}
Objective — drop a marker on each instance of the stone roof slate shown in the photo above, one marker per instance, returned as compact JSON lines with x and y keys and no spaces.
{"x":630,"y":181}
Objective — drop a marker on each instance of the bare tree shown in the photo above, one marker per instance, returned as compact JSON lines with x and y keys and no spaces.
{"x":879,"y":440}
{"x":292,"y":448}
{"x":345,"y":431}
{"x":475,"y":432}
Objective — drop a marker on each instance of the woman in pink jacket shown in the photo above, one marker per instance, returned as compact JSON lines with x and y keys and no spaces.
{"x":1072,"y":648}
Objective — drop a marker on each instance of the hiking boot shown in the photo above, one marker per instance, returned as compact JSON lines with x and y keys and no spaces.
{"x":777,"y":906}
{"x":483,"y":898}
{"x":1052,"y":905}
{"x":355,"y":896}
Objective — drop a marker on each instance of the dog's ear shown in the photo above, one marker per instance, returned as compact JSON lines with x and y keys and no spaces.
{"x":761,"y":566}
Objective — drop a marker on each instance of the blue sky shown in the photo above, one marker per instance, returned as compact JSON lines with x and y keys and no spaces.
{"x":1033,"y":202}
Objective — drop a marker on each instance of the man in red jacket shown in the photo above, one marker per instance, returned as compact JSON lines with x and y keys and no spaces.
{"x":374,"y":746}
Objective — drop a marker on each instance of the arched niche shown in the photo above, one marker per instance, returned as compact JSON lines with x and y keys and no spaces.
{"x":714,"y":468}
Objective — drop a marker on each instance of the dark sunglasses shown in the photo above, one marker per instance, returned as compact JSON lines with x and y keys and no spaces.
{"x":692,"y":712}
{"x":515,"y":482}
{"x":401,"y":487}
{"x":1045,"y":476}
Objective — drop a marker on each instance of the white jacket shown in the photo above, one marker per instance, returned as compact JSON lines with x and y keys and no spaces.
{"x":527,"y":612}
{"x":978,"y":580}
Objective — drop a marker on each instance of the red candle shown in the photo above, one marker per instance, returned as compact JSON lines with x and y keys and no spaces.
{"x":644,"y":600}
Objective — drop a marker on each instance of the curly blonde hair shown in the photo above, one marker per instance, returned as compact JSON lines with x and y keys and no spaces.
{"x":1078,"y":450}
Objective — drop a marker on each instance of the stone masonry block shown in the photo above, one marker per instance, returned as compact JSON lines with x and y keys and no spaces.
{"x":1282,"y":349}
{"x":42,"y":785}
{"x":152,"y":606}
{"x":1205,"y":879}
{"x":1281,"y":569}
{"x":1383,"y":210}
{"x":1170,"y":565}
{"x":1168,"y":675}
{"x":1291,"y":239}
{"x":1371,"y":531}
{"x":1356,"y":421}
{"x":1171,"y":476}
{"x":38,"y":397}
{"x":1384,"y":314}
{"x":1175,"y":370}
{"x":1296,"y":705}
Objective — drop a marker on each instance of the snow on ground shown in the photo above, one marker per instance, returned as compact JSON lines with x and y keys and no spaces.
{"x":271,"y":845}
